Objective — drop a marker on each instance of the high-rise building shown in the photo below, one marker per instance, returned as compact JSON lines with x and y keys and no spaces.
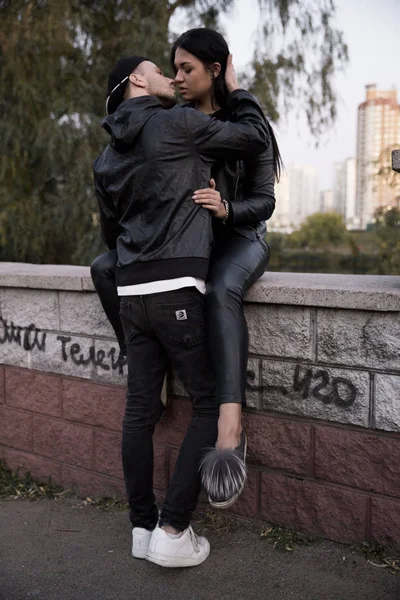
{"x":377,"y":134}
{"x":303,"y":192}
{"x":281,"y":219}
{"x":326,"y":201}
{"x":339,"y":192}
{"x":297,"y":197}
{"x":344,"y":191}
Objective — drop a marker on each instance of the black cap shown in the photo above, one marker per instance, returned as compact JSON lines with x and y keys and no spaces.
{"x":117,"y":81}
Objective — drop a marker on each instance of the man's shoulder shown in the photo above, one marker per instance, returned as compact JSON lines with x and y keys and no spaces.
{"x":174,"y":113}
{"x":177,"y":120}
{"x":181,"y":113}
{"x":99,"y":161}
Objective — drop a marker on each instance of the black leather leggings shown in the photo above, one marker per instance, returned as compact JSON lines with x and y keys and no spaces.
{"x":103,"y":276}
{"x":236,"y":263}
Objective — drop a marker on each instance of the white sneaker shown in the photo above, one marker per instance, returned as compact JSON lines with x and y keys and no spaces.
{"x":140,"y":542}
{"x":187,"y":550}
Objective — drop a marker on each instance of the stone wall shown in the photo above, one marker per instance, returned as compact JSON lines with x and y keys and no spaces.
{"x":323,"y":391}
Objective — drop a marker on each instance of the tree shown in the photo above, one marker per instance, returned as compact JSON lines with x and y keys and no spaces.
{"x":320,"y":231}
{"x":387,"y":227}
{"x":54,"y":55}
{"x":386,"y":181}
{"x":298,"y":54}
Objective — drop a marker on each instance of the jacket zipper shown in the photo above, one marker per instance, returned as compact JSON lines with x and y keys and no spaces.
{"x":235,"y":197}
{"x":237,"y":184}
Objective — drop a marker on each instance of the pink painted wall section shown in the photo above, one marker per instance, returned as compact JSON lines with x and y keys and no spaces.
{"x":338,"y":481}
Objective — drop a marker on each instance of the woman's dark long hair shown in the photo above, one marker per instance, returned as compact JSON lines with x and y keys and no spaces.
{"x":209,"y":46}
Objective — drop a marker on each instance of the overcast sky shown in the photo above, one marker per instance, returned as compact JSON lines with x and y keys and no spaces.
{"x":372,"y":31}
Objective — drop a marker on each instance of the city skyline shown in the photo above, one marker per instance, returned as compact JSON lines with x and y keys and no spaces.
{"x":369,"y":63}
{"x":297,"y":197}
{"x":344,"y":191}
{"x":356,"y":191}
{"x":378,"y":131}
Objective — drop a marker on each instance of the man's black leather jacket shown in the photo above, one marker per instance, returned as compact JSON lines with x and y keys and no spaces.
{"x":145,"y":178}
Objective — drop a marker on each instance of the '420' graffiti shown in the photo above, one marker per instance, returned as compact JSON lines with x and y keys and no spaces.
{"x":316,"y":383}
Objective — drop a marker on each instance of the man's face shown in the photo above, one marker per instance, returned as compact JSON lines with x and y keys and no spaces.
{"x":156,"y":83}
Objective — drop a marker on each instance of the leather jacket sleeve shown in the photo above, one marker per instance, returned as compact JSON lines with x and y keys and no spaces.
{"x":256,"y":199}
{"x":245,"y":134}
{"x":108,"y":219}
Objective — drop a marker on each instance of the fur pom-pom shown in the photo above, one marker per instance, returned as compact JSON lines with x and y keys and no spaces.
{"x":223,"y":474}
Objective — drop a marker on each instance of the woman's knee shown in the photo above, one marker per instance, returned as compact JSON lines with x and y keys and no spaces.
{"x":104,"y":265}
{"x":223,"y":291}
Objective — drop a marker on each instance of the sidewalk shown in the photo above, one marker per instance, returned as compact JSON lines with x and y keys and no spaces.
{"x":61,"y":550}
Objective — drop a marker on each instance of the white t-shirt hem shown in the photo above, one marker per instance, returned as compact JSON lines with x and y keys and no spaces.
{"x":164,"y":285}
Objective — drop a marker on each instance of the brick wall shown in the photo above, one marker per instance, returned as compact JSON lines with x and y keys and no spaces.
{"x":323,"y":391}
{"x":338,"y":481}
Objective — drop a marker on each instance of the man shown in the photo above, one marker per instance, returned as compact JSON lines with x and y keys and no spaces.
{"x":144,"y":181}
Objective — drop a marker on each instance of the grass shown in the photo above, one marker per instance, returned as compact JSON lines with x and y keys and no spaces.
{"x":378,"y":556}
{"x":15,"y":486}
{"x":286,"y":540}
{"x":372,"y":550}
{"x":105,"y":503}
{"x":216,"y":521}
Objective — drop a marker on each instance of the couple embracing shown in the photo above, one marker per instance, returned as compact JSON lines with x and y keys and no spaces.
{"x":184,"y":192}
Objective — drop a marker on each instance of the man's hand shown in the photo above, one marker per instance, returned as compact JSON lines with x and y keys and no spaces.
{"x":230,"y":76}
{"x":211,"y":199}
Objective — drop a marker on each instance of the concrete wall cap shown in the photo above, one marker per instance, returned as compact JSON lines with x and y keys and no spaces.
{"x":362,"y":292}
{"x":359,"y":292}
{"x":45,"y":277}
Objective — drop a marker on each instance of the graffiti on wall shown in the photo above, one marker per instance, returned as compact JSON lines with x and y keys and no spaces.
{"x":28,"y":337}
{"x":33,"y":338}
{"x":98,"y":357}
{"x":310,"y":382}
{"x":307,"y":382}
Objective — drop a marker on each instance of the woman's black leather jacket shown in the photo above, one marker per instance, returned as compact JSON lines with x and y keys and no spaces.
{"x":248,"y":186}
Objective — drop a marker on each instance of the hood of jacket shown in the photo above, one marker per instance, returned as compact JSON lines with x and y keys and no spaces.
{"x":126,"y":123}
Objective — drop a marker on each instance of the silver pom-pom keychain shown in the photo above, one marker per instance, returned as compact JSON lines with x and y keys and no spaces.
{"x":224,"y":473}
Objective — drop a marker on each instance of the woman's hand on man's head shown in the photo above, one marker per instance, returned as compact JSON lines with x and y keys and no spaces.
{"x":211,"y":199}
{"x":230,"y":75}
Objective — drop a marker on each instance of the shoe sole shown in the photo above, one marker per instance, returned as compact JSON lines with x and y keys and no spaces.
{"x":139,"y":554}
{"x":172,"y":562}
{"x":231,"y":501}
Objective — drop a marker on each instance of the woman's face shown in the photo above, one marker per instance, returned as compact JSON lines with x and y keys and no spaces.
{"x":193,"y":79}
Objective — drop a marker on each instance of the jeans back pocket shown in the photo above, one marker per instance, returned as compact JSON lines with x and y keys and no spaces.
{"x":184,"y":321}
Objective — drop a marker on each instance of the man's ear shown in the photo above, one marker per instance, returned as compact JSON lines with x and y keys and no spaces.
{"x":215,"y":69}
{"x":137,"y":80}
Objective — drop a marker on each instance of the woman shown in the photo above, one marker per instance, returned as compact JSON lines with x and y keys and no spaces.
{"x":244,"y":201}
{"x":241,"y":198}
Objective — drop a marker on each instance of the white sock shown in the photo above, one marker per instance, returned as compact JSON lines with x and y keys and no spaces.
{"x":174,"y":535}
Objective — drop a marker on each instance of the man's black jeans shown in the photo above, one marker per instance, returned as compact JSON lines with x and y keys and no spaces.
{"x":163,"y":328}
